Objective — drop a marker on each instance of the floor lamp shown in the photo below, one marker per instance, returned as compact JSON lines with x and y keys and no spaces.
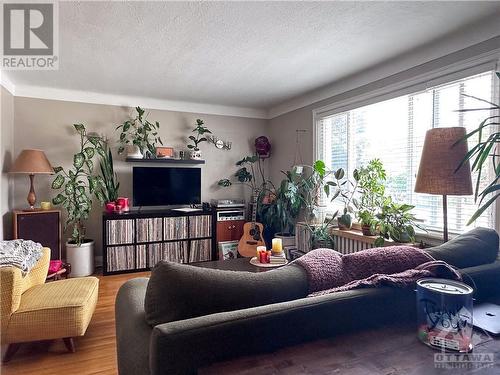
{"x":437,"y":173}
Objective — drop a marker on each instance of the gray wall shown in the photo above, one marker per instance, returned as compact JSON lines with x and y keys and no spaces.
{"x":47,"y":124}
{"x":6,"y":152}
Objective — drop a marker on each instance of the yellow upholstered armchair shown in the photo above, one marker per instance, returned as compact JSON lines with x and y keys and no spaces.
{"x":32,"y":310}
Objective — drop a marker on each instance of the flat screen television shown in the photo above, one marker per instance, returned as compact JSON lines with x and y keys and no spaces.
{"x":162,"y":186}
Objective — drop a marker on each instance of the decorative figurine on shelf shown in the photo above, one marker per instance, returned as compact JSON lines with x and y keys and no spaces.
{"x":263,"y":147}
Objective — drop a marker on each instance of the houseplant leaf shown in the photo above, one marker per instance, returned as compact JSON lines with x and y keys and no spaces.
{"x":58,"y":182}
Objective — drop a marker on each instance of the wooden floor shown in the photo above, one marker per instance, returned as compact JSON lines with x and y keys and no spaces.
{"x":384,"y":351}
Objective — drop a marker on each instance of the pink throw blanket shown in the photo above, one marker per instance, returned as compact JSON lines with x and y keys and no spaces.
{"x":329,"y":271}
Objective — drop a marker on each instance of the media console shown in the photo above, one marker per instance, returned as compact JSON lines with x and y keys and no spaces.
{"x":135,"y":241}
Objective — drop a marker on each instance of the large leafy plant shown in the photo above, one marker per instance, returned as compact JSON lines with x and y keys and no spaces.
{"x":485,"y":149}
{"x":200,"y":131}
{"x":78,"y":184}
{"x":281,"y":213}
{"x":141,"y":133}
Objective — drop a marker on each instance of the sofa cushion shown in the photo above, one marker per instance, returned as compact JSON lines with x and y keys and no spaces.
{"x":178,"y":291}
{"x":474,"y":248}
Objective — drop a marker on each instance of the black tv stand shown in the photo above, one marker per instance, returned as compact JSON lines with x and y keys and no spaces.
{"x":136,"y":240}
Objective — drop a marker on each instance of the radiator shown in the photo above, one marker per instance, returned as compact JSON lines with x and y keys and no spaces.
{"x":345,"y":242}
{"x":348,"y":245}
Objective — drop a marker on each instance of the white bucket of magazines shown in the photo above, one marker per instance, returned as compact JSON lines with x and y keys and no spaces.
{"x":444,"y":314}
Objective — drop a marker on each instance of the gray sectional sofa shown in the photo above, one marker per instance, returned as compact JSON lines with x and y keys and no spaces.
{"x":185,"y":317}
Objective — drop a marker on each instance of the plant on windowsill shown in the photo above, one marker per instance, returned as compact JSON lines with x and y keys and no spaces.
{"x":396,"y":222}
{"x":371,"y":180}
{"x":140,"y":136}
{"x":484,"y":150}
{"x":345,"y":190}
{"x":200,"y":131}
{"x":321,"y":236}
{"x":76,"y":187}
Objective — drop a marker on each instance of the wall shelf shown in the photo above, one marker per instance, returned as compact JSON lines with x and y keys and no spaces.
{"x":165,"y":161}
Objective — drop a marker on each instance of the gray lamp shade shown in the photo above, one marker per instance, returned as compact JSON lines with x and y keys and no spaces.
{"x":441,"y":155}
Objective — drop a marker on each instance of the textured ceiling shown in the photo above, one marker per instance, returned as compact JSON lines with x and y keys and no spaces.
{"x":246,"y":54}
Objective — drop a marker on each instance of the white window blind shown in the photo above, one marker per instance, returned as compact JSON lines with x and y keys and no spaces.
{"x":394,"y":130}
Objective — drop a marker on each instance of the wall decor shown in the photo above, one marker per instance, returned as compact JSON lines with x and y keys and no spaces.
{"x":219,"y":143}
{"x":263,"y":147}
{"x":164,"y":152}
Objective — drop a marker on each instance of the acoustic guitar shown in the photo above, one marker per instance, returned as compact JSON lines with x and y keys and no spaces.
{"x":252,"y":233}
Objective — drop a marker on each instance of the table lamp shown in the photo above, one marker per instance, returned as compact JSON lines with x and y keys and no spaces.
{"x":32,"y":162}
{"x":437,"y":173}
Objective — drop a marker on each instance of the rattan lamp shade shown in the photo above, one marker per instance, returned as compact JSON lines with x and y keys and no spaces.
{"x":440,"y":158}
{"x":32,"y":162}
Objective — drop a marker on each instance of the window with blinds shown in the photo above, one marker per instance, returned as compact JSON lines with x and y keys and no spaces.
{"x":393,"y":131}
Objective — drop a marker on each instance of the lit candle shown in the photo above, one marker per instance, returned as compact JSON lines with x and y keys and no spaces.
{"x":277,"y":245}
{"x":259,"y":249}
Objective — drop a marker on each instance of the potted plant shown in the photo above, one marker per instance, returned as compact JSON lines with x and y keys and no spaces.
{"x":200,"y":131}
{"x":140,"y":136}
{"x":321,"y":237}
{"x":396,"y":222}
{"x":110,"y":186}
{"x":281,"y":213}
{"x":345,"y":191}
{"x":313,"y":181}
{"x":77,"y":185}
{"x":367,"y":219}
{"x":371,"y":180}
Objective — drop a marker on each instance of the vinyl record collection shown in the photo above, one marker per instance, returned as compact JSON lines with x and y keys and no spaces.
{"x":140,"y":243}
{"x":120,"y":231}
{"x":149,"y":230}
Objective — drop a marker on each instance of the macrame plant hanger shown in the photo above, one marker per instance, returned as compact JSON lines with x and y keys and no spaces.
{"x":298,"y":162}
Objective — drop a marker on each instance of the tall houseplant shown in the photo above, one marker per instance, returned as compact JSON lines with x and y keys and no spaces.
{"x":314,"y":181}
{"x":280,"y":214}
{"x":140,"y":134}
{"x":77,"y":185}
{"x":486,"y":149}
